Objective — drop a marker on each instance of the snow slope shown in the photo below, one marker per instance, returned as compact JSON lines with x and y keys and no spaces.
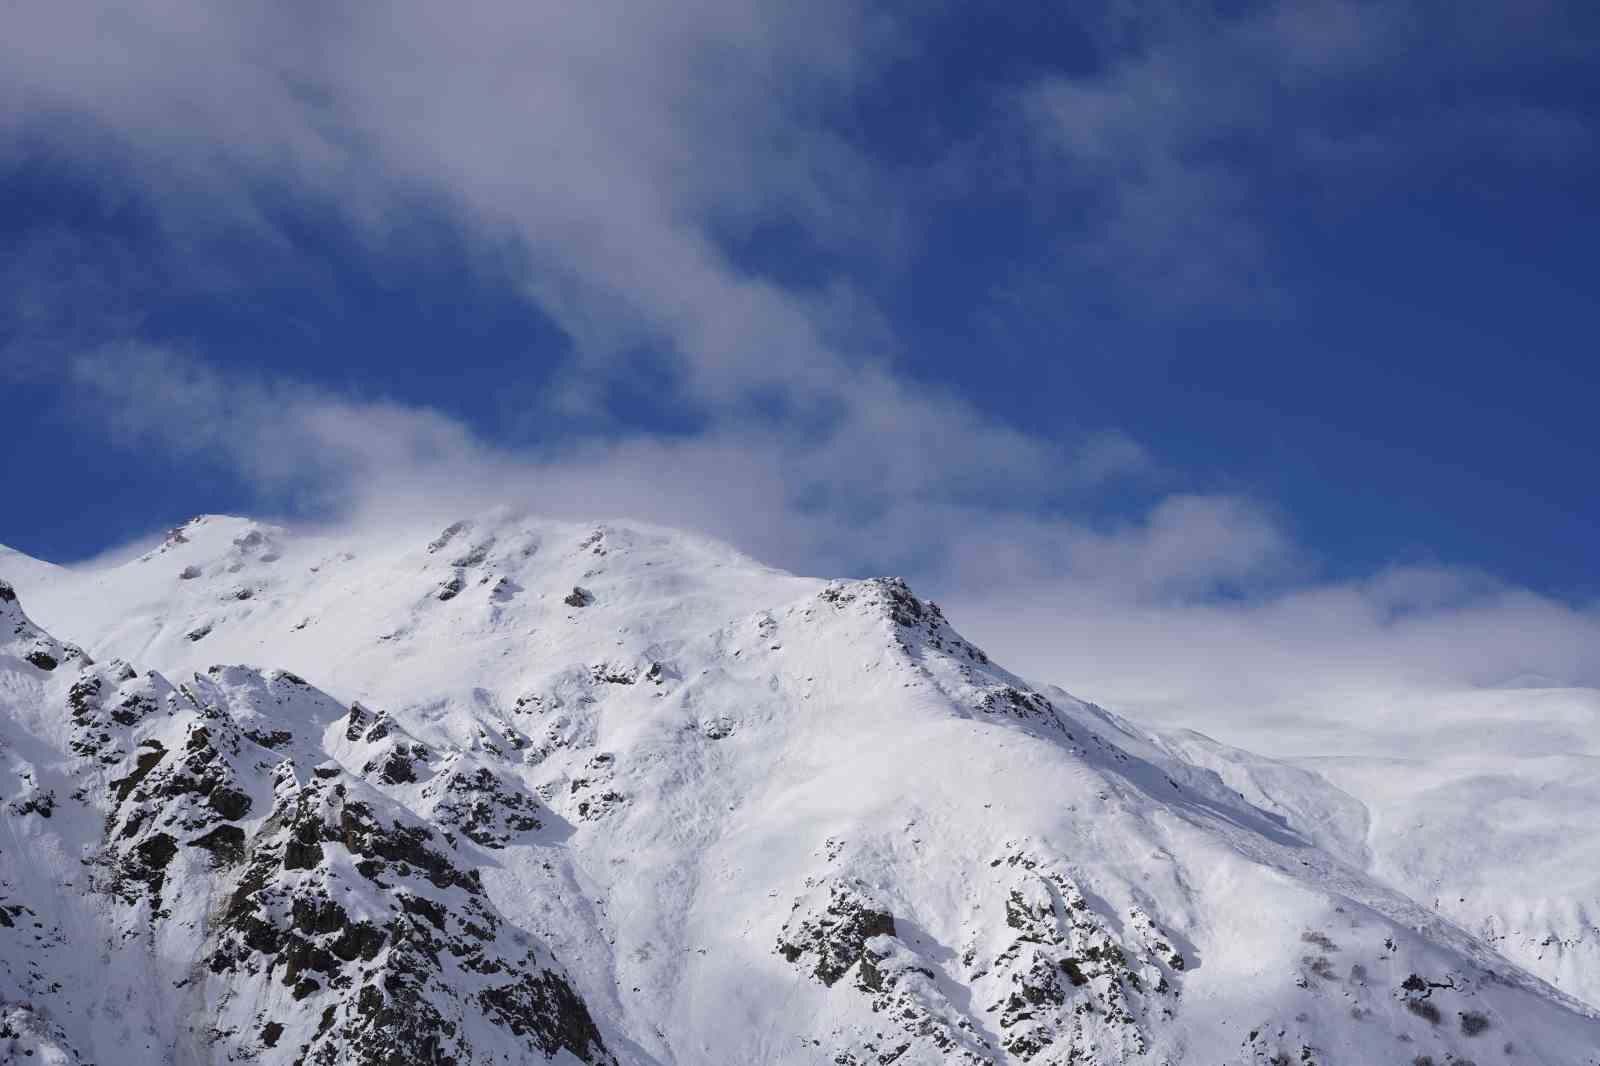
{"x":1480,"y":805}
{"x":596,"y":793}
{"x":1484,"y":809}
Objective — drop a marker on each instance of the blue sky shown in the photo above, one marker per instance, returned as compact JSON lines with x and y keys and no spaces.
{"x":1202,"y":303}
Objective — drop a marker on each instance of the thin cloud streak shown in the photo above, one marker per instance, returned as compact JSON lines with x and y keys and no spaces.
{"x":1195,"y":121}
{"x":606,"y":158}
{"x":1202,"y":612}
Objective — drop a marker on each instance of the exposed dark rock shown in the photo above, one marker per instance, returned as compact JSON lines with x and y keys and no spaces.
{"x":836,"y":939}
{"x":380,"y":728}
{"x":388,"y":989}
{"x":607,"y":674}
{"x":41,"y":803}
{"x":451,"y":587}
{"x":475,"y":555}
{"x":225,"y":843}
{"x":275,"y":739}
{"x":397,"y":766}
{"x":143,"y":764}
{"x":303,"y":849}
{"x":147,"y":866}
{"x":488,"y":810}
{"x":843,"y":928}
{"x":229,"y":803}
{"x":356,"y":722}
{"x":450,"y":533}
{"x":545,"y":1008}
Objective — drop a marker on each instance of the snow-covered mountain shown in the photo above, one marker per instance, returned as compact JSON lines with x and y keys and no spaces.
{"x":1478,"y":804}
{"x":613,"y":794}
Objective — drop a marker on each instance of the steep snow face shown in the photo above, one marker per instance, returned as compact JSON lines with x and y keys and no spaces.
{"x":603,"y":792}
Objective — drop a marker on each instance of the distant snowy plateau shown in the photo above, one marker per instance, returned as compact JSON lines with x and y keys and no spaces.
{"x":517,"y":791}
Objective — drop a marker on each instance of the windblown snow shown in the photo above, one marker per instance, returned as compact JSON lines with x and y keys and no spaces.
{"x":522,"y":791}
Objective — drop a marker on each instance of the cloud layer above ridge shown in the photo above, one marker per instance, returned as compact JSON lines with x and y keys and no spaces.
{"x":611,"y":163}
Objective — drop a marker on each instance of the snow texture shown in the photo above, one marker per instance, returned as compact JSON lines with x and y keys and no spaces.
{"x":614,"y":794}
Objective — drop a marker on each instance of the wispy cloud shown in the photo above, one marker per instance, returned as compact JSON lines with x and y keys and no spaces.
{"x":1317,"y":666}
{"x":601,"y":149}
{"x":603,"y":158}
{"x":1201,"y":121}
{"x":608,"y":159}
{"x":881,"y":483}
{"x":1202,"y":611}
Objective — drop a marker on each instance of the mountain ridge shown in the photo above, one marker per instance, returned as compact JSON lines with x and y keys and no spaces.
{"x":756,"y":817}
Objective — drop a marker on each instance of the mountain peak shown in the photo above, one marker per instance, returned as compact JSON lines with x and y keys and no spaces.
{"x":215,"y":534}
{"x":510,"y":789}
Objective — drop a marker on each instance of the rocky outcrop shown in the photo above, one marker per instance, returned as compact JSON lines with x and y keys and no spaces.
{"x":332,"y":923}
{"x":386,"y":947}
{"x":842,"y":931}
{"x":484,"y":806}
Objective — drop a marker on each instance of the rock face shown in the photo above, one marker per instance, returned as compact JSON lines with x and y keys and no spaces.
{"x":382,"y":947}
{"x":625,"y":797}
{"x":328,"y":923}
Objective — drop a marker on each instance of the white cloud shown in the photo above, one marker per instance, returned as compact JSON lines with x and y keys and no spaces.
{"x":600,"y":157}
{"x":889,"y":462}
{"x":1315,"y":667}
{"x":1203,"y":612}
{"x":602,"y":148}
{"x":603,"y":157}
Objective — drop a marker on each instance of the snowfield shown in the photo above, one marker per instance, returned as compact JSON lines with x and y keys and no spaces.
{"x":518,"y":791}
